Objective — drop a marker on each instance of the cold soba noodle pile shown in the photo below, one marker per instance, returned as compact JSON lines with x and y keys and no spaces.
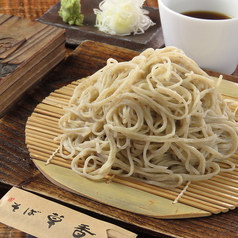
{"x":158,"y":119}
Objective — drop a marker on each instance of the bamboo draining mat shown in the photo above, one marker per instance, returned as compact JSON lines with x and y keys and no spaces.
{"x":219,"y":194}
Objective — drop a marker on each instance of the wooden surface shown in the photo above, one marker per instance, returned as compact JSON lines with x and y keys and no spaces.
{"x":16,"y":169}
{"x":42,"y":128}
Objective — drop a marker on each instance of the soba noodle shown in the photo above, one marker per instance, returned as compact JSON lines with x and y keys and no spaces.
{"x":158,"y":118}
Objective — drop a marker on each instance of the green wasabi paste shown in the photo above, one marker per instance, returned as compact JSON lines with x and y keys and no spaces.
{"x":70,"y":11}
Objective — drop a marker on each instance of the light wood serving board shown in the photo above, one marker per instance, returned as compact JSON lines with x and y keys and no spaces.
{"x":219,"y":194}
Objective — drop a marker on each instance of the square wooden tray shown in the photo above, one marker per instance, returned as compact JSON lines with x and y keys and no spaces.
{"x":28,"y":51}
{"x":77,"y":34}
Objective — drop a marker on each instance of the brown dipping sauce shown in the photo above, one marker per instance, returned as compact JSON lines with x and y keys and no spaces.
{"x":207,"y":15}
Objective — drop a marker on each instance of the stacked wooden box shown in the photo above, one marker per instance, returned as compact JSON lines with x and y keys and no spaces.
{"x":28,"y":51}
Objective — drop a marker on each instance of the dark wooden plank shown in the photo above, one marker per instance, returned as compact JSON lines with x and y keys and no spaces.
{"x":9,"y":232}
{"x":25,"y":46}
{"x":17,"y":169}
